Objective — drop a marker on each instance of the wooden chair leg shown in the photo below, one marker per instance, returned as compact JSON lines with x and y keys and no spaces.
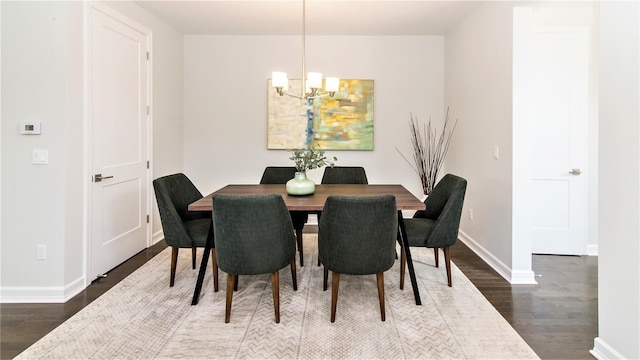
{"x":335,"y":282}
{"x":326,"y":276}
{"x":231,"y":279}
{"x":299,"y":241}
{"x":214,"y":268}
{"x":193,"y":257}
{"x":275,"y":289}
{"x":174,"y":262}
{"x":235,"y":285}
{"x":436,"y":254}
{"x":403,"y":267}
{"x":447,"y":262}
{"x":380,"y":278}
{"x":294,"y":277}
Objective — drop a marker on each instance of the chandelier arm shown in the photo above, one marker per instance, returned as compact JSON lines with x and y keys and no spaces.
{"x":305,"y":96}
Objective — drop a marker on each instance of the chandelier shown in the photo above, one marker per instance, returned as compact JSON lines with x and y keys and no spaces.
{"x":311,"y":85}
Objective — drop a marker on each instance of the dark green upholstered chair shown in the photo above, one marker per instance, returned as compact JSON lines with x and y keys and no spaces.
{"x":253,"y":236}
{"x":280,"y":175}
{"x":344,"y":175}
{"x":183,"y":228}
{"x":437,"y":226}
{"x":357,"y":236}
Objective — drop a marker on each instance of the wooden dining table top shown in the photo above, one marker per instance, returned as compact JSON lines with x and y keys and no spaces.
{"x":405,"y":200}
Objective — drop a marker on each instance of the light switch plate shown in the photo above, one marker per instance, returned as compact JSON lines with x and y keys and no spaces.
{"x":40,"y":157}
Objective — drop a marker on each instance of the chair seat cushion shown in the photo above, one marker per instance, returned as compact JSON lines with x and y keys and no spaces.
{"x":198,"y":229}
{"x":418,"y":230}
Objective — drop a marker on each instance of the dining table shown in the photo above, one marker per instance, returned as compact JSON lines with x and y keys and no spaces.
{"x":405,"y":200}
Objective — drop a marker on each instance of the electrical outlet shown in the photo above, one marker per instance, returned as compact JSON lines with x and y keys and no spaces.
{"x":41,"y":252}
{"x":496,"y":152}
{"x":471,"y":214}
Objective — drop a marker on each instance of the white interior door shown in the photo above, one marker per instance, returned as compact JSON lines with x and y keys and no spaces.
{"x":559,"y":116}
{"x":119,"y":137}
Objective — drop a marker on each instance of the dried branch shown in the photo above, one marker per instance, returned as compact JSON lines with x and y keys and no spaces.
{"x":429,"y":150}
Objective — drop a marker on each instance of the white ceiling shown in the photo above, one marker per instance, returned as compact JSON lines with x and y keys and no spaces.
{"x":324,"y":17}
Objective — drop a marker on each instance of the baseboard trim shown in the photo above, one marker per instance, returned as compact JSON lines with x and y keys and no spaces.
{"x":513,"y":277}
{"x":592,"y":250}
{"x":75,"y":288}
{"x":602,"y":350}
{"x":157,"y":237}
{"x":42,"y":294}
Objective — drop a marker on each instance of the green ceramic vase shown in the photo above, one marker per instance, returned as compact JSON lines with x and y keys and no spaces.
{"x":300,"y":185}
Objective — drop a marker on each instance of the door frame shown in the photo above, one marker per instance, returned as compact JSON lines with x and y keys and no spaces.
{"x":88,"y":127}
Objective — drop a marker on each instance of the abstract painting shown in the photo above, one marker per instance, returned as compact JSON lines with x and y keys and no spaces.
{"x":341,"y":122}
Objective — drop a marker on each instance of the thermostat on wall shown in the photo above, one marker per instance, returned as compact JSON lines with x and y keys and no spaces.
{"x":30,"y":128}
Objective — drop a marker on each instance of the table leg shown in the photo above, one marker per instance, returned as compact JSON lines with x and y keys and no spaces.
{"x":203,"y":266}
{"x":407,"y":251}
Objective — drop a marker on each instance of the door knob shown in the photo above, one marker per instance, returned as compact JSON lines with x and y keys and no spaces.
{"x":99,"y":177}
{"x":575,"y":172}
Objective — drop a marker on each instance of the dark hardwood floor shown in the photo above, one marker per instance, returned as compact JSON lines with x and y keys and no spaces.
{"x":557,"y":318}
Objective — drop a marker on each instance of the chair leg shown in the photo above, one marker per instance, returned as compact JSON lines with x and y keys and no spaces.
{"x":275,"y":289}
{"x":380,"y":278}
{"x":193,"y":257}
{"x":436,"y":255}
{"x":174,"y":262}
{"x":335,"y":282}
{"x":235,"y":285}
{"x":294,"y":277}
{"x":231,"y":279}
{"x":447,"y":262}
{"x":326,"y":276}
{"x":214,"y":267}
{"x":299,"y":240}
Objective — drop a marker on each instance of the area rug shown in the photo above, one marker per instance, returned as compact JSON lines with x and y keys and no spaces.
{"x":143,"y":318}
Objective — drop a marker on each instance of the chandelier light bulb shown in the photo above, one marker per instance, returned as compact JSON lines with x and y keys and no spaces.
{"x":315,"y":80}
{"x":332,"y":84}
{"x":279,"y":80}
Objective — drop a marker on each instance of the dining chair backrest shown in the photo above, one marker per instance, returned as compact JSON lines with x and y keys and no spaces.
{"x":357,"y":235}
{"x":277,"y":174}
{"x":344,"y":175}
{"x":253,"y":233}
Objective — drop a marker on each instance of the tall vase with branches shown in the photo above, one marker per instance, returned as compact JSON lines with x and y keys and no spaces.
{"x":429,"y":150}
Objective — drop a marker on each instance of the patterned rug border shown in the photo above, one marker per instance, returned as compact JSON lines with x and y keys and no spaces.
{"x":142,"y":317}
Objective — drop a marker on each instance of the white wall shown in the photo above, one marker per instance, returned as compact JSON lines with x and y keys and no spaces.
{"x":619,"y":188}
{"x":42,"y":80}
{"x":225,"y":100}
{"x":478,"y":86}
{"x":41,"y":204}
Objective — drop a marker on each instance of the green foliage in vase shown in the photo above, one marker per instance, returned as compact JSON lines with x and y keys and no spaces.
{"x":309,"y":159}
